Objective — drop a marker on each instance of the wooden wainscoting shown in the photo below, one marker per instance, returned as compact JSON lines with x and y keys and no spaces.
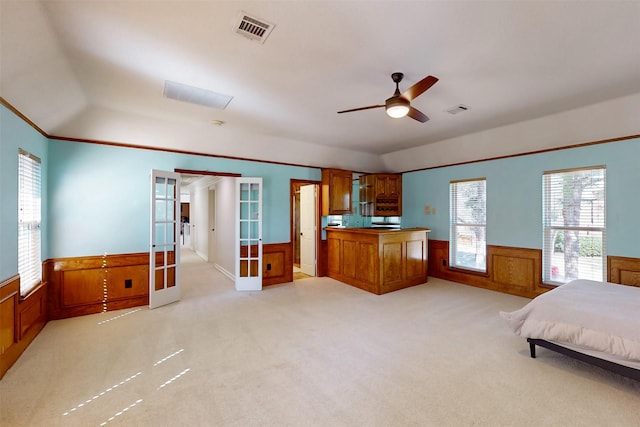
{"x":623,"y":270}
{"x":21,"y":319}
{"x":93,"y":284}
{"x":277,"y":263}
{"x":516,"y":271}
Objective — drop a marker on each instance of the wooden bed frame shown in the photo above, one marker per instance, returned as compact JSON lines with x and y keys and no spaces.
{"x":623,"y":370}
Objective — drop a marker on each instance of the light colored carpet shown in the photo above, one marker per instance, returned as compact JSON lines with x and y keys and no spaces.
{"x":309,"y":353}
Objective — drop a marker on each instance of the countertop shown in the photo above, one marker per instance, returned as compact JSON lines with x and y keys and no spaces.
{"x":376,"y":230}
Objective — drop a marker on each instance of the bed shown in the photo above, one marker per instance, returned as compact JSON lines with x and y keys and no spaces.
{"x":596,"y":322}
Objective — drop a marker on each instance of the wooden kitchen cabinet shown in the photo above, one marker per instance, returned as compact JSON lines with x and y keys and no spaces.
{"x":381,"y":195}
{"x":337,"y":192}
{"x":378,"y":260}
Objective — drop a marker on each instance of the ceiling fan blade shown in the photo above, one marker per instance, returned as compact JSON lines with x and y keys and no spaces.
{"x":417,"y":115}
{"x":361,"y":108}
{"x":419,"y":88}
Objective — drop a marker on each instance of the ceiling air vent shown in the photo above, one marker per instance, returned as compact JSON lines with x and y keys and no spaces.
{"x":457,"y":109}
{"x":253,"y":28}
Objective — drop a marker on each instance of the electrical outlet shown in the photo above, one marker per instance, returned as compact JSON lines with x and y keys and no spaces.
{"x":268,"y":267}
{"x":128,"y":283}
{"x":444,"y":262}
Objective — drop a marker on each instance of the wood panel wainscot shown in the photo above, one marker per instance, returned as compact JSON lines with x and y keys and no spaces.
{"x":93,"y":284}
{"x":518,"y":271}
{"x":277,"y":263}
{"x":623,"y":270}
{"x":21,"y":319}
{"x":378,"y":260}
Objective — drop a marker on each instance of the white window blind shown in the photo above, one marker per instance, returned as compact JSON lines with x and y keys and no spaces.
{"x":29,"y":217}
{"x":468,"y":245}
{"x":574,"y":225}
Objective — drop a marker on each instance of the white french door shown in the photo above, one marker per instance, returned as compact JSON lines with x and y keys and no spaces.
{"x":248,"y":247}
{"x":308,"y":215}
{"x":164,"y":253}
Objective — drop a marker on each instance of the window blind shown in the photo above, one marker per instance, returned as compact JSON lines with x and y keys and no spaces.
{"x":29,"y":218}
{"x":468,"y":224}
{"x":574,"y":225}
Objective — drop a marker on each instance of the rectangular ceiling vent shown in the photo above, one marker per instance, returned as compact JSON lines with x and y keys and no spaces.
{"x":457,"y":109}
{"x":253,"y":28}
{"x":195,"y":95}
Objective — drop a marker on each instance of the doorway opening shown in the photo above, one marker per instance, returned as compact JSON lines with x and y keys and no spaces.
{"x":198,"y":213}
{"x":305,"y":228}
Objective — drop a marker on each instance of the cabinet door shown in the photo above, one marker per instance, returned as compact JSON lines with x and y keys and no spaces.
{"x":393,"y":185}
{"x":381,"y":186}
{"x":340,"y":190}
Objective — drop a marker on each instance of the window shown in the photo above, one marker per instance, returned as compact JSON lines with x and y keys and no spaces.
{"x":574,"y":225}
{"x":29,"y":216}
{"x":468,"y":224}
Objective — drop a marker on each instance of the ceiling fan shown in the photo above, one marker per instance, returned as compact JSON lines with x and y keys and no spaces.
{"x":399,"y":105}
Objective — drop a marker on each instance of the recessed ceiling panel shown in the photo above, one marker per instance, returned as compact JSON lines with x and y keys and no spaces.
{"x":195,"y":95}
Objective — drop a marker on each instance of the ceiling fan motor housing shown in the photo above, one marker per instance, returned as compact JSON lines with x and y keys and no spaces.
{"x":397,"y":106}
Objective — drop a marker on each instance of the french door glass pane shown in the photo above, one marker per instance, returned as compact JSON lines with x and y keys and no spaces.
{"x":171,"y":209}
{"x":255,"y":191}
{"x":161,"y":189}
{"x":244,"y":191}
{"x":171,"y":188}
{"x":254,"y":207}
{"x":171,"y":231}
{"x":160,"y":234}
{"x":161,"y":210}
{"x":244,"y":210}
{"x":171,"y":277}
{"x":254,"y":230}
{"x":159,"y":282}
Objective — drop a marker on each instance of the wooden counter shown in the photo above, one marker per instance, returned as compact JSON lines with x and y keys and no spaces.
{"x":378,"y":260}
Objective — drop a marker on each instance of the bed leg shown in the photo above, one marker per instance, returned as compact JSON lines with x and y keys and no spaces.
{"x":532,"y":349}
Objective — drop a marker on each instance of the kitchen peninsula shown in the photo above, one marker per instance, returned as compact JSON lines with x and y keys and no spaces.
{"x":378,"y":260}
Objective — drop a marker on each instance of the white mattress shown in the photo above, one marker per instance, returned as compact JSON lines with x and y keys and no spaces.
{"x":586,"y":316}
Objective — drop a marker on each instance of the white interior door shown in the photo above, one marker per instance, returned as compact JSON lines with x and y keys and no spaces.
{"x":212,"y":224}
{"x":248,"y":268}
{"x":308,"y":215}
{"x":164,"y":253}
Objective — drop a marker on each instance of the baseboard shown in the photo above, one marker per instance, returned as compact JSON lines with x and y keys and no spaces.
{"x":226,"y":272}
{"x":203,"y":256}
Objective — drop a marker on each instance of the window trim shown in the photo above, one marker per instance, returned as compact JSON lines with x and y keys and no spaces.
{"x":29,"y":229}
{"x":453,"y":225}
{"x":546,"y":229}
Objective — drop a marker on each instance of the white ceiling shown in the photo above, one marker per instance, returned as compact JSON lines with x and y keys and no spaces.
{"x":95,"y":70}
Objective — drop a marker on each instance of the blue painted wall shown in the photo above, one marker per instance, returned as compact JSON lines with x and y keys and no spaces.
{"x":96,"y":197}
{"x":514,"y":195}
{"x":15,"y":133}
{"x":100,"y":195}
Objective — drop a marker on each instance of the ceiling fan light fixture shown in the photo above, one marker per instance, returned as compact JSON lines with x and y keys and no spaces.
{"x":397,"y":107}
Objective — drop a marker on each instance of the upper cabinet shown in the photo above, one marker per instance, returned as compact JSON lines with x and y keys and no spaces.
{"x":337,"y":188}
{"x":381,"y":195}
